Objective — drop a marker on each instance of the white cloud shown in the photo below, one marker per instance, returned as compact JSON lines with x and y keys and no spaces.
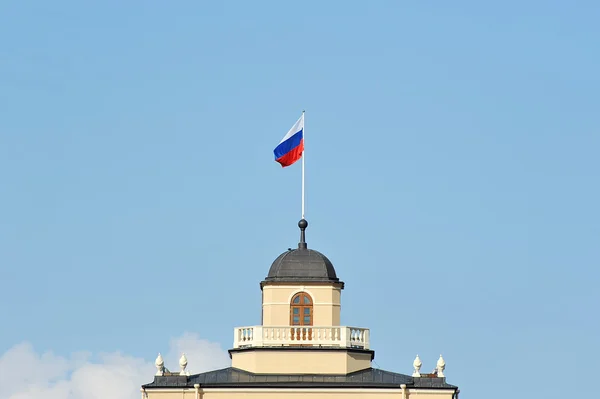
{"x":25,"y":374}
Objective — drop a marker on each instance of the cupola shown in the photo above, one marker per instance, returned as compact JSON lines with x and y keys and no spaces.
{"x":301,"y":303}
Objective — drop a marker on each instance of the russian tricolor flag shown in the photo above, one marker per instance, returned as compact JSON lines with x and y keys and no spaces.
{"x":291,"y":147}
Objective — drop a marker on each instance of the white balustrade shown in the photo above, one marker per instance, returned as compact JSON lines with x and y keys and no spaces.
{"x":332,"y":336}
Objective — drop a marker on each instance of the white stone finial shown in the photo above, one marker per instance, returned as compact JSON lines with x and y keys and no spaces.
{"x":417,"y":365}
{"x":183,"y":364}
{"x":440,"y":367}
{"x":160,"y":365}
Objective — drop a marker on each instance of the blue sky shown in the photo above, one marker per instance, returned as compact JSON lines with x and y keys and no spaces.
{"x":451,"y":170}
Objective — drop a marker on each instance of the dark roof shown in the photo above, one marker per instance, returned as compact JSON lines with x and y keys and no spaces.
{"x":235,"y":378}
{"x":302,"y":265}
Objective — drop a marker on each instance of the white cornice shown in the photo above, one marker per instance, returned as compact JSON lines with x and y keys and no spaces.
{"x":307,"y":390}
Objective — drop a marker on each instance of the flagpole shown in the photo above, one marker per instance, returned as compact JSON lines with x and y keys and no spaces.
{"x":303,"y":156}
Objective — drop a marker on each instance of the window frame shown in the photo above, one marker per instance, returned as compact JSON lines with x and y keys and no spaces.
{"x":302,"y":306}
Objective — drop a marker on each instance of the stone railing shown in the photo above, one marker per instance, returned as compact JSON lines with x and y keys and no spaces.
{"x":269,"y":336}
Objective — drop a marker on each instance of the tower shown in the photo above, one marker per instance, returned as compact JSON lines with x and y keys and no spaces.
{"x":300,"y":331}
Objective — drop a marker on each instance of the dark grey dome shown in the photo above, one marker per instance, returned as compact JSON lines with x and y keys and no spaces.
{"x":302,"y":265}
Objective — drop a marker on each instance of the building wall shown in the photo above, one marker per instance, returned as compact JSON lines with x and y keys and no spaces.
{"x":316,"y":393}
{"x":288,"y":361}
{"x":326,"y":304}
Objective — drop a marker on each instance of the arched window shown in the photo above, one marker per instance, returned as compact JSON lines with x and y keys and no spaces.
{"x":301,"y":310}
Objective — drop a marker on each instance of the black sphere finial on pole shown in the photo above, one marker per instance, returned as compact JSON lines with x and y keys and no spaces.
{"x":303,"y":224}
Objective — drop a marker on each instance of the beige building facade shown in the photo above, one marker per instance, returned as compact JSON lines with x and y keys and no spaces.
{"x":300,"y":350}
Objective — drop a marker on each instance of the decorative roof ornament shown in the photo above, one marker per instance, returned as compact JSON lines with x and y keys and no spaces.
{"x":417,"y":365}
{"x":160,"y":365}
{"x":440,"y":367}
{"x":303,"y":224}
{"x":183,"y":364}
